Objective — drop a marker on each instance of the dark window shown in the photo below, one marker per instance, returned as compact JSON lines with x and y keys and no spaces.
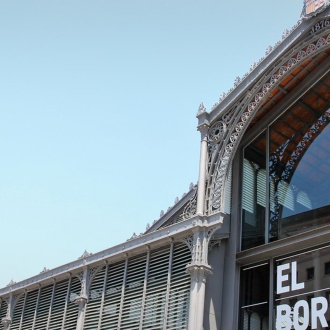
{"x":327,"y":268}
{"x":254,"y":298}
{"x":310,"y":273}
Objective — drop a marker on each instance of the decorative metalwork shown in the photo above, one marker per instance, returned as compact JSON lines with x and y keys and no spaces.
{"x":244,"y":113}
{"x":12,"y":282}
{"x":82,"y":279}
{"x":191,"y":208}
{"x":189,"y":241}
{"x":296,"y":155}
{"x":216,"y":131}
{"x":201,"y":109}
{"x":237,"y":81}
{"x":44,"y":270}
{"x":303,"y":144}
{"x":269,"y":50}
{"x":85,"y":255}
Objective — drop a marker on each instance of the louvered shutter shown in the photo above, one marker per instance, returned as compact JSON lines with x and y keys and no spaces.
{"x":94,"y":301}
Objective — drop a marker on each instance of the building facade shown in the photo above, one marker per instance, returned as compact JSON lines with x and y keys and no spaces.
{"x":248,"y":247}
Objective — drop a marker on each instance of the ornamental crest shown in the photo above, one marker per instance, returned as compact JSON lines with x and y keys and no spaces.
{"x":313,"y":7}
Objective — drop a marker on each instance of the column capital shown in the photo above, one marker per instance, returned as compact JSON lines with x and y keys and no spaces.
{"x":81,"y":300}
{"x":203,"y":129}
{"x":198,"y":272}
{"x":6,"y":321}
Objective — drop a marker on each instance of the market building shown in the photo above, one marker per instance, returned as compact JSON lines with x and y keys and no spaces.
{"x":248,"y":247}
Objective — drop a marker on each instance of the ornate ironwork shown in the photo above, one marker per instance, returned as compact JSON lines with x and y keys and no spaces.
{"x":216,"y":131}
{"x":191,"y":208}
{"x":246,"y":109}
{"x":287,"y":172}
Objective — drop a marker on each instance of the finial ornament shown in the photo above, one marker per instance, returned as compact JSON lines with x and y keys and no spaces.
{"x":44,"y":270}
{"x":85,"y":255}
{"x":201,"y":109}
{"x":11,"y":283}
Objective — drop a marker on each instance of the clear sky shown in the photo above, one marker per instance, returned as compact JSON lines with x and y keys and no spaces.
{"x":98,"y":101}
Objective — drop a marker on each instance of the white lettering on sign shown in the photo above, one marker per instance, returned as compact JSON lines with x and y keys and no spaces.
{"x":318,"y":313}
{"x":282,"y":278}
{"x":301,"y":323}
{"x":295,"y":286}
{"x":285,"y":277}
{"x":301,"y":315}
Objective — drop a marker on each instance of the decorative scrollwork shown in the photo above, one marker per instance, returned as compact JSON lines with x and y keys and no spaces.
{"x":249,"y":105}
{"x":216,"y":131}
{"x":287,"y":172}
{"x":189,"y":241}
{"x":191,"y":208}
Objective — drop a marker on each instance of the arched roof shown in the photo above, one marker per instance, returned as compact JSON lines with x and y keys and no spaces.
{"x":300,"y":59}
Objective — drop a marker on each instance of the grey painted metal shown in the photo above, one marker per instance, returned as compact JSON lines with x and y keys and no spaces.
{"x":267,"y":188}
{"x":271,"y":323}
{"x":122,"y":294}
{"x":286,"y":102}
{"x":168,"y":287}
{"x":239,"y":115}
{"x":176,"y":231}
{"x":171,"y":212}
{"x":144,"y":288}
{"x":23,"y":310}
{"x":66,"y":302}
{"x":36,"y":308}
{"x":229,"y":310}
{"x":202,"y":170}
{"x":51,"y":305}
{"x":198,"y":270}
{"x":103,"y":295}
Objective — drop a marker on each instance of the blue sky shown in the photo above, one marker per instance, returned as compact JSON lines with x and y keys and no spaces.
{"x":98,"y":102}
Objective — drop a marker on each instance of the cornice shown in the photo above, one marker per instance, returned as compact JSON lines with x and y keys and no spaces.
{"x":121,"y":251}
{"x":259,"y":68}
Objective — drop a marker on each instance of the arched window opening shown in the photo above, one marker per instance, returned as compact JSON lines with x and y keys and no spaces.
{"x":287,"y":193}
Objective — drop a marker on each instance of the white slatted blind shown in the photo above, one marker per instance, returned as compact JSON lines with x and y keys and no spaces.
{"x":133,"y":293}
{"x":249,"y":187}
{"x":72,"y":307}
{"x":94,"y":301}
{"x":30,"y":306}
{"x":56,"y":316}
{"x":304,"y":200}
{"x":110,"y":312}
{"x":3,"y":311}
{"x":43,"y":308}
{"x":53,"y":307}
{"x":156,"y":289}
{"x":17,"y":314}
{"x":178,"y":304}
{"x":285,"y":195}
{"x":228,"y":192}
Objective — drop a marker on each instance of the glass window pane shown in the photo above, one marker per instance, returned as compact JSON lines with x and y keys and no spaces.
{"x":254,"y":297}
{"x":299,"y":166}
{"x":254,"y":193}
